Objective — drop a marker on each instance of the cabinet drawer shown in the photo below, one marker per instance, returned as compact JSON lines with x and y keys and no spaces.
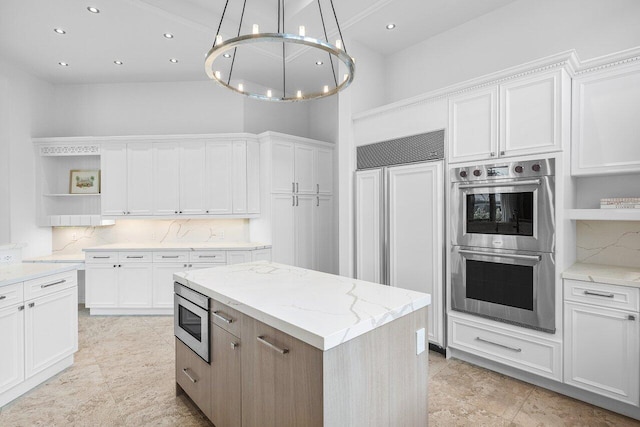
{"x":135,"y":256}
{"x":171,"y":256}
{"x":194,"y":376}
{"x":101,"y":257}
{"x":11,"y":294}
{"x":612,"y":296}
{"x":49,"y":284}
{"x":226,"y":317}
{"x":524,"y":352}
{"x":208,"y":256}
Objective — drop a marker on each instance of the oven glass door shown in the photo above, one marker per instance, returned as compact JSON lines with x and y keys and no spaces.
{"x":191,"y":326}
{"x":505,"y":213}
{"x":508,"y":286}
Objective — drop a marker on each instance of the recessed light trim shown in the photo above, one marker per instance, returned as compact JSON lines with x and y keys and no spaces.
{"x":118,"y":62}
{"x":390,"y":26}
{"x":173,"y":60}
{"x":319,"y":62}
{"x":59,"y":31}
{"x":63,"y":64}
{"x":93,"y":9}
{"x":168,"y":35}
{"x":227,"y":55}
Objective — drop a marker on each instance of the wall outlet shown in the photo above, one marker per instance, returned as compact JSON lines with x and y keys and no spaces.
{"x":420,"y":341}
{"x":153,"y":236}
{"x":74,"y":236}
{"x":221,"y":234}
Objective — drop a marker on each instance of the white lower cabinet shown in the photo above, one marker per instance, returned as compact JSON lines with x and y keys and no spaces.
{"x":12,"y":354}
{"x":101,"y":285}
{"x":135,"y":283}
{"x":238,"y":257}
{"x":602,"y":344}
{"x":162,"y":295}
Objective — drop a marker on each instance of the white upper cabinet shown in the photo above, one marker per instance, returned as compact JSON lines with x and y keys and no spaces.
{"x":473,"y":124}
{"x":301,"y":168}
{"x":324,"y":171}
{"x":219,"y":158}
{"x":166,"y":186}
{"x":526,"y":115}
{"x":192,"y":178}
{"x":282,"y":167}
{"x":605,"y":121}
{"x":253,"y":177}
{"x":127,"y":179}
{"x":304,"y":169}
{"x":239,"y":177}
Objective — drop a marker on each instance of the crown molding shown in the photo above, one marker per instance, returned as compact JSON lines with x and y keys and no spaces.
{"x":87,"y":141}
{"x":611,"y":60}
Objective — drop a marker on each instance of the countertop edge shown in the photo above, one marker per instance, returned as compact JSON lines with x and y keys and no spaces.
{"x":176,"y":248}
{"x":59,"y":268}
{"x":607,"y":274}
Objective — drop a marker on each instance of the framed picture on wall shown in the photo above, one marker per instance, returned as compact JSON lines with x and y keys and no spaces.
{"x":84,"y":182}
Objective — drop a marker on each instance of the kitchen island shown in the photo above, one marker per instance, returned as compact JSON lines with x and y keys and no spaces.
{"x":295,"y":347}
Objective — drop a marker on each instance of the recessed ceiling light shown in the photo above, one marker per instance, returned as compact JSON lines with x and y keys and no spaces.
{"x":319,"y":62}
{"x":227,"y":55}
{"x":93,"y":9}
{"x":173,"y":60}
{"x":117,"y":62}
{"x":63,"y":64}
{"x":391,"y":26}
{"x":168,"y":35}
{"x":59,"y":31}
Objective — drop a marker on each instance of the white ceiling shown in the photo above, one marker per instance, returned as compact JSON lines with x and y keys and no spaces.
{"x":132,"y":31}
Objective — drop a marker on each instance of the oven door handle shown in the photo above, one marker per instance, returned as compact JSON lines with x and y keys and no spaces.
{"x":514,"y":256}
{"x":501,"y":184}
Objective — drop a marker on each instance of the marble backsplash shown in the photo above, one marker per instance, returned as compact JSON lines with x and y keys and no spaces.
{"x":69,"y":240}
{"x":608,"y":242}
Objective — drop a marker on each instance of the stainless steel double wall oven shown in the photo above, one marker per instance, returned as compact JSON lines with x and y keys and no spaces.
{"x":503,"y":236}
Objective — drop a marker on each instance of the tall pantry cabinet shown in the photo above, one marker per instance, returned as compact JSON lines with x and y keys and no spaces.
{"x":299,"y":218}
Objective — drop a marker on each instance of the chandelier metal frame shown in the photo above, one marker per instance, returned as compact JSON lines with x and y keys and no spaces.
{"x":219,"y":48}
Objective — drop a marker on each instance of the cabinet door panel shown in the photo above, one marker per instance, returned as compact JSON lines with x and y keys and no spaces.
{"x":324,"y":171}
{"x":239,"y":177}
{"x":601,"y":351}
{"x":282,"y":177}
{"x":416,"y":200}
{"x":219,"y":175}
{"x":226,"y":380}
{"x":135,"y":285}
{"x":51,"y":330}
{"x":192,"y":178}
{"x":12,"y":354}
{"x":369,"y":226}
{"x":238,"y":257}
{"x":101,"y":282}
{"x":140,"y":179}
{"x":531,"y":115}
{"x":304,"y":231}
{"x":166,"y":185}
{"x":305,"y":169}
{"x":282,"y":226}
{"x":324,"y":234}
{"x":163,"y":283}
{"x":473,"y":124}
{"x":253,"y":177}
{"x":113,"y":164}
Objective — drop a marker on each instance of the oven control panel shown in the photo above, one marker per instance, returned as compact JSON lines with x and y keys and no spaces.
{"x":515,"y":169}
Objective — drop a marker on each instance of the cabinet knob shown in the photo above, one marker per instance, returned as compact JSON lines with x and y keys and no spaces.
{"x":128,"y":213}
{"x":32,"y":304}
{"x":492,"y":154}
{"x":190,"y":265}
{"x":180,"y":211}
{"x":502,"y":153}
{"x":185,"y":265}
{"x":207,"y":211}
{"x":631,"y":317}
{"x":120,"y":265}
{"x":21,"y":308}
{"x":114,"y":266}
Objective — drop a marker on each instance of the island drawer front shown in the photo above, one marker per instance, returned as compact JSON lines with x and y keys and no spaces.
{"x":49,"y":284}
{"x":527,"y":353}
{"x":11,"y":294}
{"x":194,"y":376}
{"x":601,"y":294}
{"x":136,"y":256}
{"x":208,"y":256}
{"x":101,"y":257}
{"x":167,"y":256}
{"x":226,"y":317}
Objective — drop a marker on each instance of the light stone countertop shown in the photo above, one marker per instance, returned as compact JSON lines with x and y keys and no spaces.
{"x":191,"y":246}
{"x":77,"y":258}
{"x":612,"y":275}
{"x":320,"y":309}
{"x":21,"y":271}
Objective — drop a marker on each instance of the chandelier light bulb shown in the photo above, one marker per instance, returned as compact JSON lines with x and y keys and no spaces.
{"x":269,"y":95}
{"x":339,"y":44}
{"x":240,"y":87}
{"x":325,"y":89}
{"x":299,"y":94}
{"x":217,"y":74}
{"x":218,"y":39}
{"x":346,"y":76}
{"x":301,"y":31}
{"x":256,"y":28}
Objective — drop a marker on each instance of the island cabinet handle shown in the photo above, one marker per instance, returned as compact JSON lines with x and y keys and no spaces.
{"x":598,"y":294}
{"x":53,"y":284}
{"x":227,"y":320}
{"x":186,"y":372}
{"x":517,"y":350}
{"x":101,"y":257}
{"x":271,"y":346}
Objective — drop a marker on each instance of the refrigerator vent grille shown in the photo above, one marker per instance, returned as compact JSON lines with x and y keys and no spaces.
{"x":410,"y":149}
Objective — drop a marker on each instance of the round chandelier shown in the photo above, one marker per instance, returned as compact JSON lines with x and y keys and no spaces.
{"x":272,"y":64}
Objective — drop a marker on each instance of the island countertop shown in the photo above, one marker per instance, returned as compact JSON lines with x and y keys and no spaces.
{"x":323,"y":310}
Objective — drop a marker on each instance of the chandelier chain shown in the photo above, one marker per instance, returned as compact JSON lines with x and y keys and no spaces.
{"x":326,"y":37}
{"x":220,"y":24}
{"x":284,"y":71}
{"x":344,"y":46}
{"x":235,"y":48}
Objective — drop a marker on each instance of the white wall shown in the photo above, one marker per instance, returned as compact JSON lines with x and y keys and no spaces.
{"x":517,"y":33}
{"x":323,"y":119}
{"x":5,"y":212}
{"x":28,"y":106}
{"x":286,"y":117}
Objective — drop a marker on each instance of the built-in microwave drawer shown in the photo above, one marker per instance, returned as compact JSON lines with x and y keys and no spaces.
{"x":528,"y":353}
{"x":226,"y":317}
{"x":193,"y":375}
{"x":11,"y":294}
{"x":49,"y":284}
{"x":136,"y":256}
{"x":171,"y":256}
{"x":208,"y":256}
{"x":101,"y":257}
{"x":604,"y":295}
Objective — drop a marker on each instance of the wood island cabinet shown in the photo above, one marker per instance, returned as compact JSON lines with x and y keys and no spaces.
{"x":226,"y":379}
